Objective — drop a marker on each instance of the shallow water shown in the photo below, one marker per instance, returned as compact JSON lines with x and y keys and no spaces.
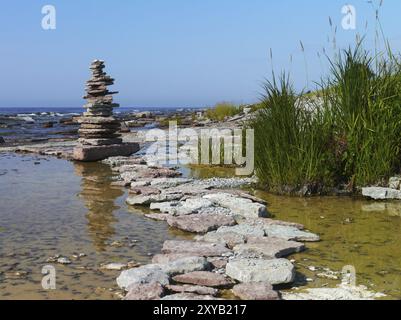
{"x":50,"y":207}
{"x":355,"y":232}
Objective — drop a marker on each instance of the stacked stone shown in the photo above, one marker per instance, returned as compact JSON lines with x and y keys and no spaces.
{"x":98,"y":126}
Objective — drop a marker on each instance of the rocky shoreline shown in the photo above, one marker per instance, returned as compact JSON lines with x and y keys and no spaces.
{"x":238,"y":251}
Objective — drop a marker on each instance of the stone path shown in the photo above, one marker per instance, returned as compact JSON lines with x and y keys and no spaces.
{"x":236,"y":245}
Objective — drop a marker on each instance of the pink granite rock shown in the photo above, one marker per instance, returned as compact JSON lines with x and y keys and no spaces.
{"x":204,"y":278}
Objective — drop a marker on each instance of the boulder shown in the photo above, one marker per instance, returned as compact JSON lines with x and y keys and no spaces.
{"x":185,"y":265}
{"x":239,"y":206}
{"x":377,"y":193}
{"x":146,"y":291}
{"x":143,"y":275}
{"x":200,"y":223}
{"x":195,"y":248}
{"x":204,"y":278}
{"x":193,"y":289}
{"x":255,"y":291}
{"x":267,"y":247}
{"x":98,"y":153}
{"x":290,"y":233}
{"x":276,"y":271}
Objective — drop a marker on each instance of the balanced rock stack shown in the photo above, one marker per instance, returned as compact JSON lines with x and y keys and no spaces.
{"x":99,"y":136}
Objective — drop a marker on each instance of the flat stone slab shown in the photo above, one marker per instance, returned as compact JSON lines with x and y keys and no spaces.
{"x":185,"y":265}
{"x":193,"y":289}
{"x":204,"y":278}
{"x":255,"y":291}
{"x":147,"y":291}
{"x":188,"y":296}
{"x":187,"y":207}
{"x":143,"y":275}
{"x":276,"y":271}
{"x":230,"y":239}
{"x":244,"y":230}
{"x":167,"y":258}
{"x":290,"y":233}
{"x":98,"y":153}
{"x":265,"y":222}
{"x":377,"y":193}
{"x":195,"y":248}
{"x":143,"y":200}
{"x":267,"y":247}
{"x":239,"y":206}
{"x":200,"y":223}
{"x":342,"y":292}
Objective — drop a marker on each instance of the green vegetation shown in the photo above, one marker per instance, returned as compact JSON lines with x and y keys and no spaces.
{"x":222,"y":110}
{"x":350,"y":133}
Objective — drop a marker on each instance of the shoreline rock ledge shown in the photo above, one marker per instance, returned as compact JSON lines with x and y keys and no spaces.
{"x":99,"y":136}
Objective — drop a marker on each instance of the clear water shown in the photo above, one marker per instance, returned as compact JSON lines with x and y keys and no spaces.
{"x":50,"y":207}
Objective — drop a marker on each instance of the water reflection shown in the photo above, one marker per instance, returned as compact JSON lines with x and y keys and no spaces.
{"x":99,"y":197}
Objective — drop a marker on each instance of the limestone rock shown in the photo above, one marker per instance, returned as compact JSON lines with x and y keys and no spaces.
{"x":201,"y":290}
{"x":290,"y":233}
{"x":268,"y":247}
{"x":185,"y":265}
{"x":195,"y":248}
{"x":204,"y":278}
{"x":188,"y":296}
{"x":200,"y":223}
{"x":255,"y":291}
{"x":143,"y":275}
{"x":239,"y":206}
{"x":146,"y":291}
{"x":97,"y":153}
{"x":377,"y":193}
{"x":244,"y":230}
{"x":230,"y":239}
{"x":342,"y":292}
{"x":276,"y":271}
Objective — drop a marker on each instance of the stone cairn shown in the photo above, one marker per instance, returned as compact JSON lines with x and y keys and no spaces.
{"x":99,"y":136}
{"x":98,"y":126}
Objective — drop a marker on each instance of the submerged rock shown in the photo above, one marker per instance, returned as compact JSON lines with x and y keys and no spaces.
{"x":143,"y":275}
{"x":204,"y":278}
{"x":276,"y":271}
{"x":290,"y":233}
{"x":255,"y":291}
{"x":342,"y":292}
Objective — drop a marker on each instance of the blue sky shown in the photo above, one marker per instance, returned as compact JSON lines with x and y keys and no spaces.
{"x":171,"y":53}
